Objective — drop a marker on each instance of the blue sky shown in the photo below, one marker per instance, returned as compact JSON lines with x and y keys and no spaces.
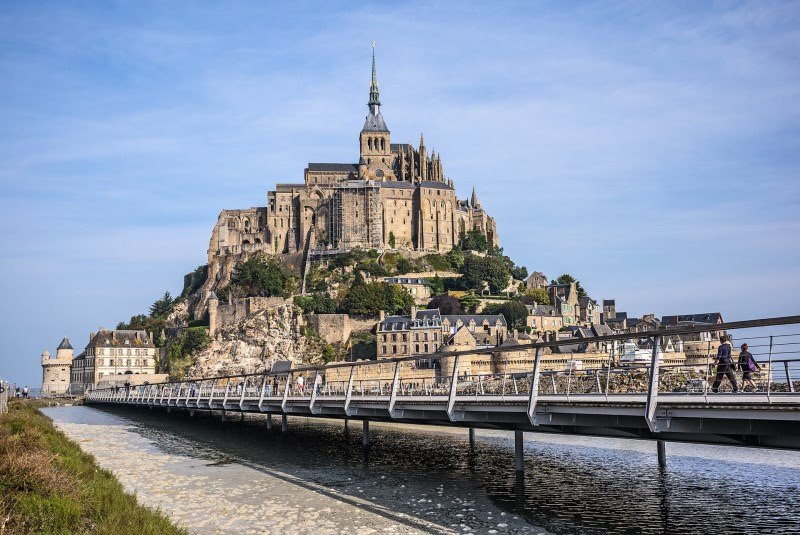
{"x":651,"y":149}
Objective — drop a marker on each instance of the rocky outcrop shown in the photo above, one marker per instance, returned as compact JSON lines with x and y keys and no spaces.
{"x":253,"y":343}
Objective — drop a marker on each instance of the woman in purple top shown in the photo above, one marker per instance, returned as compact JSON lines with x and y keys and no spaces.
{"x":748,"y":365}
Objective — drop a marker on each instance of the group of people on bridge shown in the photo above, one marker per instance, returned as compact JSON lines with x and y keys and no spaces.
{"x":726,"y":367}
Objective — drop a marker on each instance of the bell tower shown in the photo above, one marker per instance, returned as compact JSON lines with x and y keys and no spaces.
{"x":376,"y":160}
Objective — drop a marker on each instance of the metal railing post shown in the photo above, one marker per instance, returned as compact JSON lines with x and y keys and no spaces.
{"x":349,"y":393}
{"x":652,"y":388}
{"x":788,"y":375}
{"x":286,"y":391}
{"x":534,"y":393}
{"x":769,"y":373}
{"x":263,"y":391}
{"x":451,"y":400}
{"x":313,"y":392}
{"x":244,"y":392}
{"x":608,"y":371}
{"x":393,"y":393}
{"x":211,"y":394}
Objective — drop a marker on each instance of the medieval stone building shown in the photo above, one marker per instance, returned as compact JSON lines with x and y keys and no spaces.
{"x":397,"y":197}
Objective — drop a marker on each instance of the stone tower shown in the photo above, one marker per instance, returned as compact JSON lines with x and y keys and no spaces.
{"x":56,"y":371}
{"x":376,"y":160}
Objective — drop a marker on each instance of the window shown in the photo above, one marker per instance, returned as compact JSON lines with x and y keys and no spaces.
{"x":405,"y":349}
{"x":394,"y":350}
{"x":416,"y":348}
{"x":426,"y":348}
{"x":383,"y":348}
{"x":394,"y":338}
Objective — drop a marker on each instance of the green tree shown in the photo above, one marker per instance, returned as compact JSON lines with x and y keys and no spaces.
{"x":566,"y":278}
{"x":371,"y":298}
{"x":392,"y":241}
{"x":437,"y":285}
{"x":162,"y":307}
{"x":470,"y":302}
{"x":493,"y":270}
{"x":514,"y":312}
{"x":456,"y":258}
{"x":264,"y":276}
{"x":537,"y":295}
{"x":447,"y":304}
{"x":474,"y":240}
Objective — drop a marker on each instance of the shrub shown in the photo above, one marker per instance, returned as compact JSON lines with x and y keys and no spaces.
{"x":371,"y":298}
{"x":262,"y":275}
{"x":493,"y":270}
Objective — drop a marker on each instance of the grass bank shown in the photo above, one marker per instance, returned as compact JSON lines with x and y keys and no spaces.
{"x":48,"y":485}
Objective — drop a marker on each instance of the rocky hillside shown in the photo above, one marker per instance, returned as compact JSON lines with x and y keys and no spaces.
{"x":254,"y":343}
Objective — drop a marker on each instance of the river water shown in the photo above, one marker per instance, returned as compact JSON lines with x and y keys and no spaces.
{"x":316,"y":478}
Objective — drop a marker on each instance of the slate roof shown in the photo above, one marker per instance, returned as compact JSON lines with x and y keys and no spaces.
{"x":65,"y":344}
{"x":375,"y":123}
{"x":399,"y":146}
{"x":601,"y":330}
{"x":609,"y":303}
{"x":119,"y":338}
{"x":479,"y":318}
{"x":542,"y":310}
{"x":336,"y":167}
{"x":435,"y":185}
{"x":708,"y":317}
{"x":397,"y":184}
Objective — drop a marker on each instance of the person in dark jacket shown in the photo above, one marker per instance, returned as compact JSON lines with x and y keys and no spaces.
{"x":725,"y":365}
{"x":748,"y":365}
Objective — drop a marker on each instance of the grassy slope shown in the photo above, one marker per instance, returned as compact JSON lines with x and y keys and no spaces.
{"x":48,"y":485}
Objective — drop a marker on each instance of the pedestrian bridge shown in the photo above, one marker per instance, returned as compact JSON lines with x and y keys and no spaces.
{"x":640,"y":400}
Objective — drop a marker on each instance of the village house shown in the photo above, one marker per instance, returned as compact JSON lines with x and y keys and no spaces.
{"x":564,"y":297}
{"x":424,"y":331}
{"x":543,"y":318}
{"x":648,"y":322}
{"x":418,"y":287}
{"x":536,"y":280}
{"x":588,"y":311}
{"x":707,"y":318}
{"x":113,"y":356}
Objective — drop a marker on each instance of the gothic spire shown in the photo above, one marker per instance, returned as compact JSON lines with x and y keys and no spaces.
{"x":374,"y":121}
{"x":374,"y":95}
{"x":474,"y":201}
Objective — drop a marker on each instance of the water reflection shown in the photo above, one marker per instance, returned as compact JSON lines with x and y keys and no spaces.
{"x":571,"y":485}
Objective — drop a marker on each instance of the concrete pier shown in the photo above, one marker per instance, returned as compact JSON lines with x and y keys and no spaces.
{"x":284,"y":423}
{"x":471,"y":439}
{"x":365,"y":434}
{"x":269,"y":422}
{"x":662,"y":453}
{"x":519,"y":452}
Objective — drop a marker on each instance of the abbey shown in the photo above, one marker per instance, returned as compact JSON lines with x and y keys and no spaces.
{"x":396,"y":197}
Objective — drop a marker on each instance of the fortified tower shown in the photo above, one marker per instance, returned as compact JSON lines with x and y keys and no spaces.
{"x":56,"y":371}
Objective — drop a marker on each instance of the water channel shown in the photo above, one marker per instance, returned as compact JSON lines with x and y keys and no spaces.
{"x":316,"y":478}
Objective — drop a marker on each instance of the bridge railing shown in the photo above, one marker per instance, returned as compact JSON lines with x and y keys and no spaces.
{"x":520,"y":373}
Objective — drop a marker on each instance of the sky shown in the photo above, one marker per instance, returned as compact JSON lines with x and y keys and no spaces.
{"x":651,"y":149}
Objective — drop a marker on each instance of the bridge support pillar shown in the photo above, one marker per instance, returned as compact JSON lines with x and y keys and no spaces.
{"x":662,"y":453}
{"x":519,"y":450}
{"x":365,"y":434}
{"x":241,"y":416}
{"x":269,"y":422}
{"x":191,"y":412}
{"x":169,"y":409}
{"x":223,"y":415}
{"x":471,"y":439}
{"x":284,"y":423}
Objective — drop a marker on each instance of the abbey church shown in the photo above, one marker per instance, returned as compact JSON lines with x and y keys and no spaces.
{"x":397,"y":197}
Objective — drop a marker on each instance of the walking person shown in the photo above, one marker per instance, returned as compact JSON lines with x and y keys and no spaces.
{"x":300,"y":383}
{"x":748,"y":365}
{"x":725,"y":365}
{"x":25,"y":392}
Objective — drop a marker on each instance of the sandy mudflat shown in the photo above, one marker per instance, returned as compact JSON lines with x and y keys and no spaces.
{"x":232,"y":498}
